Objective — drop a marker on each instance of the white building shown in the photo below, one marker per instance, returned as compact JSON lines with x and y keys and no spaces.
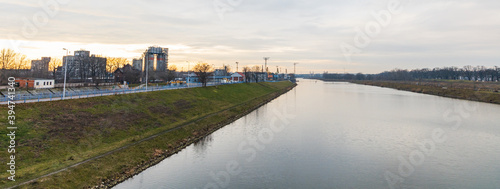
{"x":237,"y":77}
{"x":43,"y":83}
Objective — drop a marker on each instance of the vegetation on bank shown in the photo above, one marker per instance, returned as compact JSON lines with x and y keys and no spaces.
{"x":478,"y":73}
{"x":475,"y":91}
{"x":55,"y":135}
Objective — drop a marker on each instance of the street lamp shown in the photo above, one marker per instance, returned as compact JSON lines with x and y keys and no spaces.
{"x":146,"y":63}
{"x":294,"y":64}
{"x":65,"y":71}
{"x":265,"y":68}
{"x":213,"y":65}
{"x":188,"y":75}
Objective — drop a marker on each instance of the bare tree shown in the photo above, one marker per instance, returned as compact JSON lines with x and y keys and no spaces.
{"x":468,"y":70}
{"x":96,"y":68}
{"x":113,"y":63}
{"x":497,"y":73}
{"x":227,"y":68}
{"x":171,"y":73}
{"x":53,"y":64}
{"x":10,"y":63}
{"x":21,"y":66}
{"x":67,"y":70}
{"x":247,"y":72}
{"x":202,"y":70}
{"x":255,"y":73}
{"x":7,"y":59}
{"x":22,"y":62}
{"x":82,"y":67}
{"x":132,"y":75}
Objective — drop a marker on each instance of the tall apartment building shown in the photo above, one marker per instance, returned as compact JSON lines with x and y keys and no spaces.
{"x":137,"y":64}
{"x":161,"y":56}
{"x":83,"y":66}
{"x":40,"y":68}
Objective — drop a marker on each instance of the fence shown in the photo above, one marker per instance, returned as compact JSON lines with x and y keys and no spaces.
{"x":74,"y":94}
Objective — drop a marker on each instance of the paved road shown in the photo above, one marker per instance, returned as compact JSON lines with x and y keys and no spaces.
{"x":104,"y":93}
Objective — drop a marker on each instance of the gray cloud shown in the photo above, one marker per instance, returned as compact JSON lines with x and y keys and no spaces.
{"x":427,"y":34}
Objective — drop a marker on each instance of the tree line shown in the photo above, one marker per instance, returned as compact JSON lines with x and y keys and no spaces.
{"x":478,"y":73}
{"x":254,"y":74}
{"x":13,"y":64}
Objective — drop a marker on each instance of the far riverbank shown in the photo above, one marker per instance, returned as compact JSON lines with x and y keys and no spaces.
{"x":467,"y":90}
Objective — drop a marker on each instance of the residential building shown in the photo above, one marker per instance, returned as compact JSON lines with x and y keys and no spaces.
{"x":40,"y":67}
{"x":221,"y":72}
{"x":127,"y":73}
{"x":161,"y":56}
{"x":84,"y":67}
{"x":35,"y":83}
{"x":137,"y":64}
{"x":237,"y":77}
{"x":191,"y":78}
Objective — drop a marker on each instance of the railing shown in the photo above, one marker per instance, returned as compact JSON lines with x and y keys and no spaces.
{"x":72,"y":94}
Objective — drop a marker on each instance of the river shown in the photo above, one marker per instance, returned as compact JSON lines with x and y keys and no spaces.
{"x":342,"y":135}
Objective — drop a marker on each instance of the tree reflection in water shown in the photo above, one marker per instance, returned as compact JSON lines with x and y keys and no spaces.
{"x":201,"y":146}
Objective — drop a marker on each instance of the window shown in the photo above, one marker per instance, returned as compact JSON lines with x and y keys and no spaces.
{"x":37,"y":83}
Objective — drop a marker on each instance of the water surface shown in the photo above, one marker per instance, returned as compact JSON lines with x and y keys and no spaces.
{"x":342,"y":135}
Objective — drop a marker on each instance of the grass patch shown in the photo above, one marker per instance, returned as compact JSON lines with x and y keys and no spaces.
{"x":481,"y":92}
{"x":58,"y":134}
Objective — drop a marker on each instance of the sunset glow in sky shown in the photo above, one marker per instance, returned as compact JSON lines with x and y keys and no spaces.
{"x":316,"y":34}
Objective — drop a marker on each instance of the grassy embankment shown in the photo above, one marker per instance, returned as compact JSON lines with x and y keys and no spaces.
{"x":475,"y":91}
{"x":55,"y":135}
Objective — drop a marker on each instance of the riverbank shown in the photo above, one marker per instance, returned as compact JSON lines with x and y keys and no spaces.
{"x":117,"y":137}
{"x":474,"y":91}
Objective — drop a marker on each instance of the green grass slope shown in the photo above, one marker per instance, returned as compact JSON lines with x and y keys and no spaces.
{"x":55,"y":135}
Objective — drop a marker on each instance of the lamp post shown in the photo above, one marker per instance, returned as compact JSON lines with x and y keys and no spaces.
{"x":213,"y":65}
{"x":188,"y":75}
{"x":265,"y":68}
{"x":294,"y":64}
{"x":146,"y":62}
{"x":65,"y":71}
{"x":237,"y":66}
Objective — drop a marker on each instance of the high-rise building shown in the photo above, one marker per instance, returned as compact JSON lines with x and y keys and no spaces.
{"x":83,"y":66}
{"x":137,"y":64}
{"x":161,"y":55}
{"x":40,"y":68}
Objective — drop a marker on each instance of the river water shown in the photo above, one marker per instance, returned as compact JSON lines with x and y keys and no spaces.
{"x":342,"y":135}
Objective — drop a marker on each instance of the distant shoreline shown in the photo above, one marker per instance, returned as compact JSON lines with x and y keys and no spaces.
{"x":465,"y":90}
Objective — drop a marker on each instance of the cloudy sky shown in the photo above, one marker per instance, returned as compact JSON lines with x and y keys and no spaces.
{"x":321,"y":35}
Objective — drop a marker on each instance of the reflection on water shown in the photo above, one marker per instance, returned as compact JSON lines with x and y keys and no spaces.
{"x":200,"y":147}
{"x":342,"y":135}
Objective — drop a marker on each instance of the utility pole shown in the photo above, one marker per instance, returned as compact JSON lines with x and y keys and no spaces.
{"x":188,"y":75}
{"x":65,"y":71}
{"x":294,"y":64}
{"x":237,"y":66}
{"x":147,"y":72}
{"x":214,"y":73}
{"x":266,"y":58}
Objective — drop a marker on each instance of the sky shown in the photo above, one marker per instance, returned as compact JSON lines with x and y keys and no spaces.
{"x":365,"y":36}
